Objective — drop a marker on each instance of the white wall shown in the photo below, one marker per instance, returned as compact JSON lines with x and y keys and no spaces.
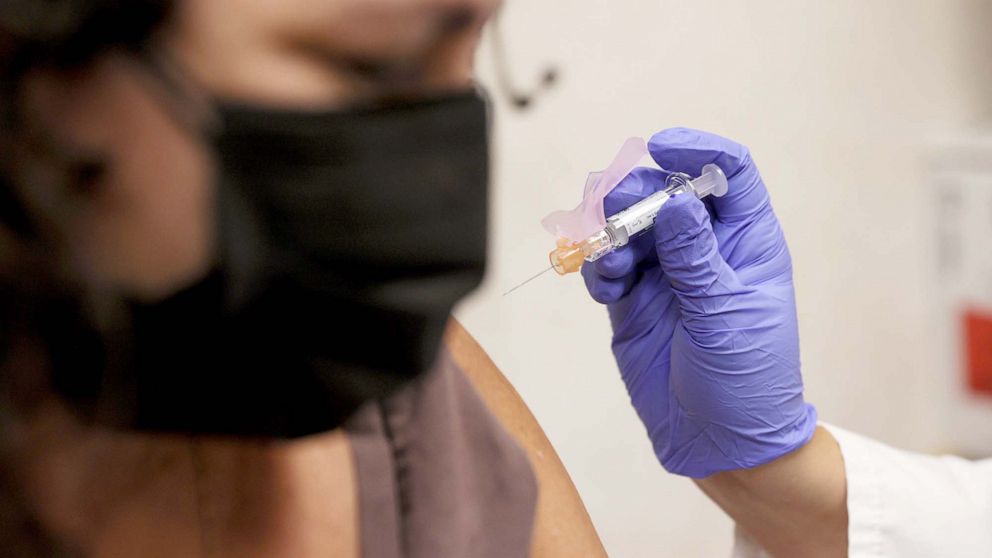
{"x":835,"y":99}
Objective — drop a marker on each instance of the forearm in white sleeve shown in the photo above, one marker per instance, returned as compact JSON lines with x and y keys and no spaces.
{"x":908,"y":505}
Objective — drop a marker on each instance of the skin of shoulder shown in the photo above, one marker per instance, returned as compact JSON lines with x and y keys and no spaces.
{"x":562,"y":525}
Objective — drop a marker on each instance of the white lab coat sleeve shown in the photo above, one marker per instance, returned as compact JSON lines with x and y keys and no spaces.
{"x":908,"y":505}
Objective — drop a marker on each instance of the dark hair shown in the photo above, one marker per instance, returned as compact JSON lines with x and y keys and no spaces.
{"x":70,"y":32}
{"x":61,"y":34}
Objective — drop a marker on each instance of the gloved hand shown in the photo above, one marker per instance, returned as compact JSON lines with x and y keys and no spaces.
{"x":704,"y":315}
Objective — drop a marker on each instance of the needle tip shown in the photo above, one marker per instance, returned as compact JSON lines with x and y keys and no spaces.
{"x":543,"y":271}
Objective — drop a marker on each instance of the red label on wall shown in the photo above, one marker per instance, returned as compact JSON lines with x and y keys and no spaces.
{"x":978,"y":351}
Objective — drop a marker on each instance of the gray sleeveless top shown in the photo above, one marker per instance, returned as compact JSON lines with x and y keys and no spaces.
{"x":438,"y":476}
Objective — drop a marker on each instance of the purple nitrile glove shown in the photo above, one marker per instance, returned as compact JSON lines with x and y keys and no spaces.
{"x":704,"y":315}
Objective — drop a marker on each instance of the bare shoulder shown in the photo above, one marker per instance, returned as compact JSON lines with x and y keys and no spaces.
{"x":562,"y":526}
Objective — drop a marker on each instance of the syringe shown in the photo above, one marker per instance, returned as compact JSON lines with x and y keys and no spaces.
{"x":627,"y":224}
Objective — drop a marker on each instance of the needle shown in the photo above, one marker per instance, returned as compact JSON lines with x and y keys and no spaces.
{"x":528,"y":281}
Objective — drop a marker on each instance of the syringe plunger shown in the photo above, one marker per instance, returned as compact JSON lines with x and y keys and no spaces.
{"x":712,"y":182}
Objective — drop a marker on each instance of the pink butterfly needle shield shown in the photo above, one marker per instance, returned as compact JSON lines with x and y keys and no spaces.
{"x":588,"y":217}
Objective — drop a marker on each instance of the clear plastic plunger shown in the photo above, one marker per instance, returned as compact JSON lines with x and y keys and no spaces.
{"x":567,"y":257}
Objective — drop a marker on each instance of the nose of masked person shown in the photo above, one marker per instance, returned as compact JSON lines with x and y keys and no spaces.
{"x":347,"y":50}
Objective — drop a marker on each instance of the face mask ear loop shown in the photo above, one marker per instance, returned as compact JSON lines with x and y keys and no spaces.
{"x":195,"y":110}
{"x":188,"y":101}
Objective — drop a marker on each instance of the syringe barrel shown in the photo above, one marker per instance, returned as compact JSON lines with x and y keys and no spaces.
{"x":635,"y":219}
{"x":641,"y":216}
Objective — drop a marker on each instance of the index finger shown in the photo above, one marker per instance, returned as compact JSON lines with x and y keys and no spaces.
{"x":686,"y":150}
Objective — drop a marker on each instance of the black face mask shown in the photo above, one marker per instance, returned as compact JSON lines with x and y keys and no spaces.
{"x":345,"y":238}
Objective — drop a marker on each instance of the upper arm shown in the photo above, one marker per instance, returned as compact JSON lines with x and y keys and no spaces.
{"x":562,"y":526}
